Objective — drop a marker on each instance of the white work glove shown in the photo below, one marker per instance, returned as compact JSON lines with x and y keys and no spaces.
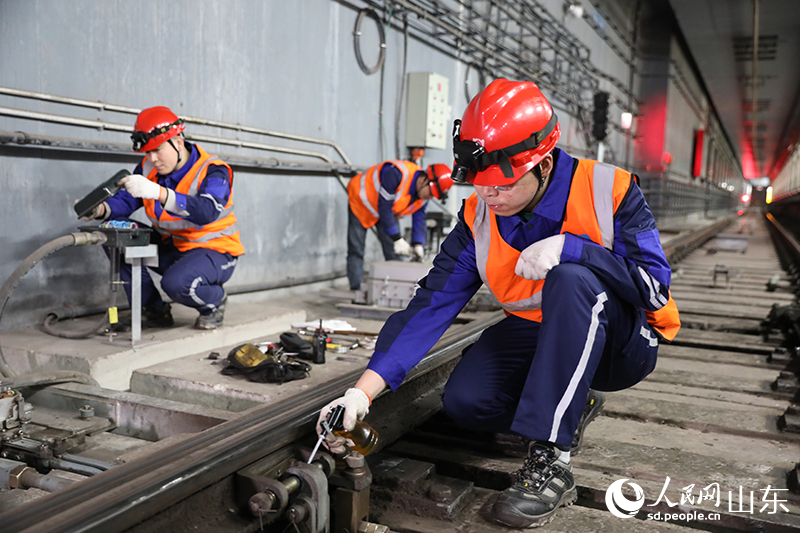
{"x":101,"y":211}
{"x":536,"y":260}
{"x":140,"y":187}
{"x":418,"y":252}
{"x":401,"y":247}
{"x":356,"y":406}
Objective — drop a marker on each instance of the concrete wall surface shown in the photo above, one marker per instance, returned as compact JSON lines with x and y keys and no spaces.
{"x":283,"y":66}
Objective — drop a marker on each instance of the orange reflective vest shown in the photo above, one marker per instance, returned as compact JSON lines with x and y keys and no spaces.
{"x":221,"y":235}
{"x":363,"y":191}
{"x":595,"y":194}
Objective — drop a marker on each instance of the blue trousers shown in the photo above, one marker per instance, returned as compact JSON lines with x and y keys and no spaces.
{"x":193,"y":278}
{"x":533,"y":379}
{"x":356,"y":243}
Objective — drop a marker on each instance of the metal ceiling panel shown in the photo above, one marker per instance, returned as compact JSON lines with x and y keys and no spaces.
{"x":720,"y":36}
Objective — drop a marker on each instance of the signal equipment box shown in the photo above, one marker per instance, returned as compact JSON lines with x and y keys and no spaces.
{"x":427,"y":110}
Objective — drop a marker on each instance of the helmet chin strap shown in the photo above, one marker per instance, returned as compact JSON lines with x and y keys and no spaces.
{"x":178,"y":151}
{"x":537,"y":171}
{"x":537,"y":197}
{"x":179,"y":156}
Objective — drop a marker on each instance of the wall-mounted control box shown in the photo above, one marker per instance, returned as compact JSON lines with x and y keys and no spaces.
{"x":427,"y":110}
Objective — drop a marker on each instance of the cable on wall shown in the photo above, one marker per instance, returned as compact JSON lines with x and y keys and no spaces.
{"x":357,"y":41}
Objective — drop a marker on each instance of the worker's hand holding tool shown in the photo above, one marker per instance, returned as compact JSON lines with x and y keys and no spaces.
{"x":356,"y":406}
{"x":419,"y":252}
{"x":140,"y":187}
{"x":100,"y":211}
{"x":401,"y":247}
{"x":536,"y":260}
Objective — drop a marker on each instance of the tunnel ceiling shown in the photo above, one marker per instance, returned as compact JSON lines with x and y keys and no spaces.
{"x":720,"y":36}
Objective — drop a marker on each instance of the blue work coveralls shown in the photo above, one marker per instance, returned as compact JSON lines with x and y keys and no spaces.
{"x":193,"y":278}
{"x":531,"y":378}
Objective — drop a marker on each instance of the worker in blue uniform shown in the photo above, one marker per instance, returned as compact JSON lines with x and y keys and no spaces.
{"x":382,"y":194}
{"x":570,"y":249}
{"x":186,"y":195}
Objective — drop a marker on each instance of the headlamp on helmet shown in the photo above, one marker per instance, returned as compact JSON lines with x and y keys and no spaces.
{"x":471,"y":157}
{"x":140,"y":138}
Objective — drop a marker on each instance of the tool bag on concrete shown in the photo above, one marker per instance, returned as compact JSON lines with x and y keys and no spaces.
{"x":294,"y":343}
{"x":261,"y":367}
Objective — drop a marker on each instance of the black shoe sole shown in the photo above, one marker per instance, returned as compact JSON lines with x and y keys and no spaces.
{"x":588,"y":416}
{"x":516,"y":519}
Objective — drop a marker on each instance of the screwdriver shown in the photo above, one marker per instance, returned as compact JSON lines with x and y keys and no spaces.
{"x":333,"y":420}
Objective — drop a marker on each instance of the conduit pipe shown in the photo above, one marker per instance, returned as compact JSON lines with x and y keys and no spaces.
{"x":134,"y":111}
{"x":102,"y":125}
{"x":28,"y":139}
{"x":71,"y":466}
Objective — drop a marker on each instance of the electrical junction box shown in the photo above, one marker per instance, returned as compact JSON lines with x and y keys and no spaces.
{"x":393,"y":283}
{"x":427,"y":110}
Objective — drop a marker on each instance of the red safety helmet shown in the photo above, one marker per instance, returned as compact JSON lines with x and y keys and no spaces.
{"x":439,"y":176}
{"x":154,"y":126}
{"x":507,"y":129}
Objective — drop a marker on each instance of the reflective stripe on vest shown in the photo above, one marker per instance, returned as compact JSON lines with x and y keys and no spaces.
{"x":376,"y":183}
{"x":221,"y":234}
{"x":173,"y":225}
{"x":403,"y":205}
{"x":603,"y":188}
{"x":364,"y":191}
{"x":601,"y":185}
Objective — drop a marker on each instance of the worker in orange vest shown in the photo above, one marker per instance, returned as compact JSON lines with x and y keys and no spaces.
{"x":570,"y":249}
{"x":382,"y":194}
{"x":186,"y":195}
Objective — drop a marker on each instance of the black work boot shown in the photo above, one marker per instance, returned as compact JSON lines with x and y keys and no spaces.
{"x":214,"y":319}
{"x":541,"y":486}
{"x":594,"y":405}
{"x":157,"y":316}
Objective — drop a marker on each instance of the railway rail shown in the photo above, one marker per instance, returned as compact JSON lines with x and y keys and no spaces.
{"x":710,"y":441}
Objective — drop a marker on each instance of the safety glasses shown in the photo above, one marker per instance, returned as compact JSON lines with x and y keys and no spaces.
{"x":471,"y":157}
{"x":140,"y":138}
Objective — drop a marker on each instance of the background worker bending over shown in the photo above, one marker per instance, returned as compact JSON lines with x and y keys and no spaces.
{"x":186,"y":194}
{"x":382,"y":194}
{"x":571,"y":251}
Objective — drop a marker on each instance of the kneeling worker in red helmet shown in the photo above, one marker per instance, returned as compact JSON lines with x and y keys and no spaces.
{"x":382,"y":194}
{"x":186,"y":195}
{"x":570,"y":249}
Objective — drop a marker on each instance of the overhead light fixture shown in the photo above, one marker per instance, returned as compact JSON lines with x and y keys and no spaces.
{"x":626,"y":120}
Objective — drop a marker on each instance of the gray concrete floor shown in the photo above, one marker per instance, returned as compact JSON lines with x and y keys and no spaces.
{"x":112,"y":360}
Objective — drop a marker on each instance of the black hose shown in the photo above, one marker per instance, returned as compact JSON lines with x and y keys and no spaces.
{"x":401,"y":93}
{"x":54,"y":316}
{"x":73,"y":239}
